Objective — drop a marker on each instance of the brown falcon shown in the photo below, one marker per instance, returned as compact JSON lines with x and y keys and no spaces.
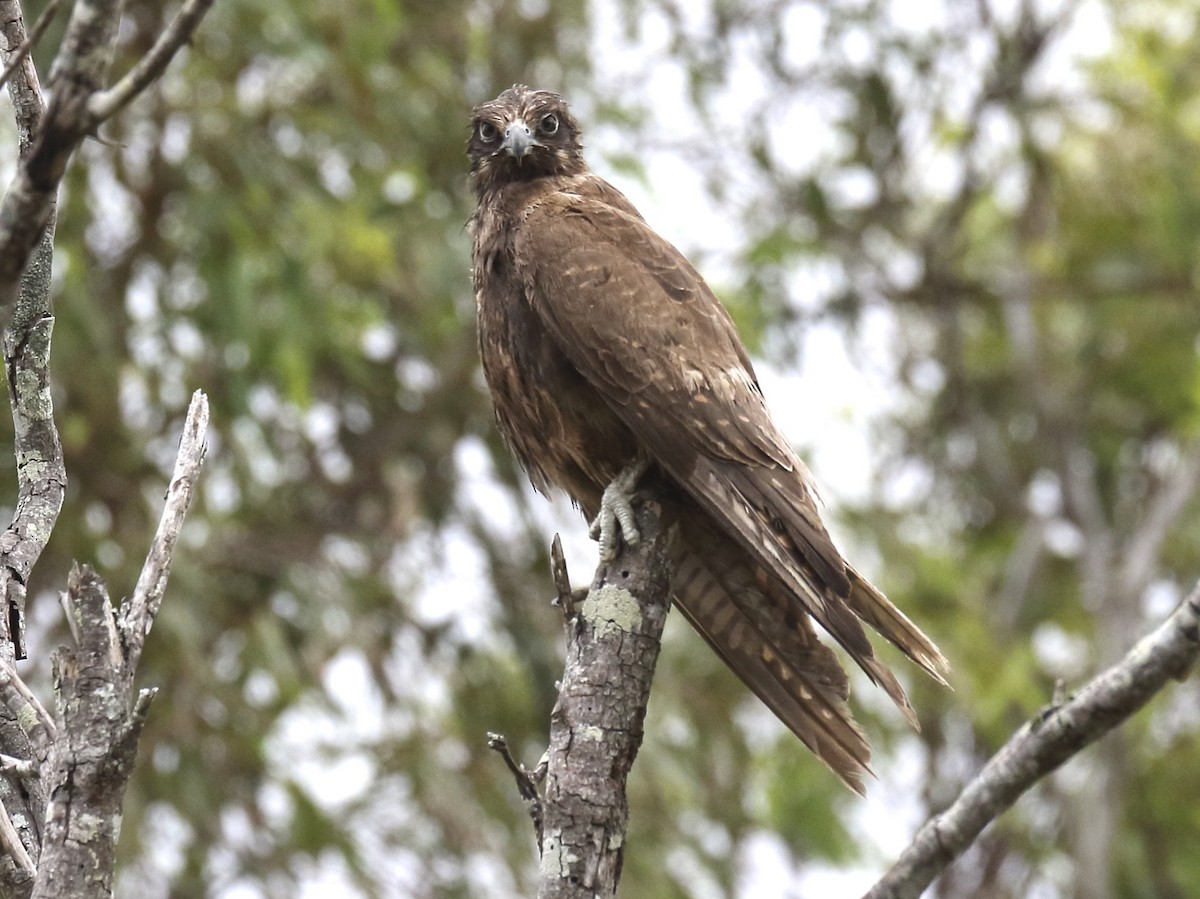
{"x":609,"y":360}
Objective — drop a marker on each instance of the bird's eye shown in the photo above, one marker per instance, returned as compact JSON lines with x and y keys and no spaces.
{"x":488,"y":132}
{"x":549,"y":124}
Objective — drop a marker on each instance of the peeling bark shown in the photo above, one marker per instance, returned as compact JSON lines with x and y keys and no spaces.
{"x":99,"y":715}
{"x":596,"y":727}
{"x":90,"y":763}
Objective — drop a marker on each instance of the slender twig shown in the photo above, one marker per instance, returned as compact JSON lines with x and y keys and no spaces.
{"x":23,"y":768}
{"x":525,"y":785}
{"x":565,"y":597}
{"x":137,"y":614}
{"x":107,"y":103}
{"x":9,"y":678}
{"x":10,"y":842}
{"x":27,"y":45}
{"x":526,"y":782}
{"x":1045,"y":743}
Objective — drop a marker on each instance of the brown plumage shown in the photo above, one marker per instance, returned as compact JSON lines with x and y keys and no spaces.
{"x":602,"y":345}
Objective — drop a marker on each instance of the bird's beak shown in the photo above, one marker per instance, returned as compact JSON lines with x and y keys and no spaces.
{"x":518,"y":140}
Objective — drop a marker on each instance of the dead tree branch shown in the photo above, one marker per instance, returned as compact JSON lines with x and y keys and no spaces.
{"x":1043,"y":745}
{"x":80,"y":104}
{"x":41,"y":475}
{"x":48,"y":135}
{"x":138,"y":613}
{"x":613,"y":641}
{"x":22,"y":48}
{"x":99,"y":713}
{"x":150,"y":67}
{"x":527,"y":781}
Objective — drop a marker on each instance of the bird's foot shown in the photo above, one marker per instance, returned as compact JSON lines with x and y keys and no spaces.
{"x":615,"y":520}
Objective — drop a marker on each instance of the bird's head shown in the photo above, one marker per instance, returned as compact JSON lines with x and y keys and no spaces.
{"x":521,"y":135}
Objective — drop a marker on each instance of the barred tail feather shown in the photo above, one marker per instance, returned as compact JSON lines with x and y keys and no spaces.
{"x":870,"y":605}
{"x":806,"y":690}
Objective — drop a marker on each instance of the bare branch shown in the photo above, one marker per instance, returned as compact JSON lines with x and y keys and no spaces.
{"x":22,"y":768}
{"x":10,"y":842}
{"x":41,"y":476}
{"x":562,"y":581}
{"x":98,"y":678}
{"x":78,"y":106}
{"x":26,"y":729}
{"x":137,"y":614}
{"x":526,"y":782}
{"x":566,"y":598}
{"x":613,"y":640}
{"x":23,"y":87}
{"x":100,"y":717}
{"x":525,"y":785}
{"x":80,"y":835}
{"x":80,"y":68}
{"x":27,"y":45}
{"x":41,"y":471}
{"x":34,"y":718}
{"x":108,"y":103}
{"x":1044,"y":744}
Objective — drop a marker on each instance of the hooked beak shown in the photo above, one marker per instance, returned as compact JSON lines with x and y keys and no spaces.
{"x":518,"y":140}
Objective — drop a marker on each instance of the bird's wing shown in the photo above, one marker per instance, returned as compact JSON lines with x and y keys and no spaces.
{"x":642,"y":326}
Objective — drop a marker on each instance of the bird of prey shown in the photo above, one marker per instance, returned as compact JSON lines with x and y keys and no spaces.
{"x":611,"y":364}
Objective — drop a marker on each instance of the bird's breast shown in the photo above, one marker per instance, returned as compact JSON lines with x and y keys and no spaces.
{"x":559,"y":427}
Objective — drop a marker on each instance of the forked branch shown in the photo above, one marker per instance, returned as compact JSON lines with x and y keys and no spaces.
{"x":99,"y":714}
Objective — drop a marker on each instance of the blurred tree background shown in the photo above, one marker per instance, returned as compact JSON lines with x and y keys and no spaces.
{"x":988,"y":213}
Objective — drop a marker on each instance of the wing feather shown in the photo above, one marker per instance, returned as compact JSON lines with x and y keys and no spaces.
{"x":641,"y":325}
{"x":645,"y":330}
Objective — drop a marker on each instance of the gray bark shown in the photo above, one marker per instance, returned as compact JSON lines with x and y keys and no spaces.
{"x":99,"y":714}
{"x":90,"y":762}
{"x":79,"y":106}
{"x":596,"y":727}
{"x":41,"y":477}
{"x":83,"y":765}
{"x":1043,"y":745}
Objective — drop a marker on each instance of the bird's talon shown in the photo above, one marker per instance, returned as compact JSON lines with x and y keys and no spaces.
{"x":629,"y":529}
{"x":615,"y":520}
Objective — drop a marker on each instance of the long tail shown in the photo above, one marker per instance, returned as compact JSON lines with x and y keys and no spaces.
{"x":780,"y":660}
{"x":875,"y":609}
{"x":764,"y":633}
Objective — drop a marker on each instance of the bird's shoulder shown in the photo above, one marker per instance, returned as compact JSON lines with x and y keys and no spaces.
{"x":587,"y":191}
{"x":584,"y":227}
{"x":641,"y":324}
